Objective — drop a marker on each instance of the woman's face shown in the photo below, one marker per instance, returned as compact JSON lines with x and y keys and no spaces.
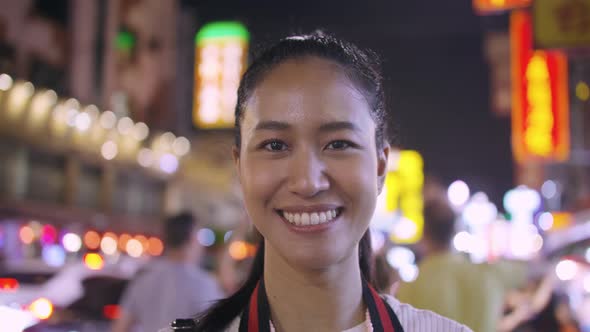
{"x":308,"y":163}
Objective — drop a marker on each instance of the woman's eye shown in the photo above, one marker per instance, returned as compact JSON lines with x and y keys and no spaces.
{"x":275,"y":146}
{"x":339,"y":145}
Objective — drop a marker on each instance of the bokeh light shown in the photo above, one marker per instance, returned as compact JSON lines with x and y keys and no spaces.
{"x":181,"y":146}
{"x":566,"y":270}
{"x":48,"y":234}
{"x":41,"y":308}
{"x":92,"y":240}
{"x":458,"y":193}
{"x":5,"y":82}
{"x":238,"y":250}
{"x":399,"y":257}
{"x":206,"y":237}
{"x":546,"y":221}
{"x":26,"y":235}
{"x":408,"y":273}
{"x":123,"y":239}
{"x":109,"y":150}
{"x":54,"y":255}
{"x":134,"y":248}
{"x":108,"y":120}
{"x":71,"y":242}
{"x":93,"y":261}
{"x":125,"y":126}
{"x":463,"y":241}
{"x":582,"y":91}
{"x":108,"y":244}
{"x":168,"y":163}
{"x":155,"y":246}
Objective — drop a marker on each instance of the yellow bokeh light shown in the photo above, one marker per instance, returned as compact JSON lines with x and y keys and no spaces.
{"x":93,"y":261}
{"x":41,"y":308}
{"x":582,"y":91}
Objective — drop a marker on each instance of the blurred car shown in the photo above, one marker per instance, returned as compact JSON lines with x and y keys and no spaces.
{"x":75,"y":297}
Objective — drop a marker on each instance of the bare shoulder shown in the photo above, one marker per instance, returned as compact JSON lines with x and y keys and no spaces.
{"x":418,"y":320}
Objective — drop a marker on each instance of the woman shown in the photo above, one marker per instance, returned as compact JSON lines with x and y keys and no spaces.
{"x":311,"y":156}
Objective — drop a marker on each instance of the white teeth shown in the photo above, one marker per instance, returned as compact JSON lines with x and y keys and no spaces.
{"x":314,"y":218}
{"x":305,"y":219}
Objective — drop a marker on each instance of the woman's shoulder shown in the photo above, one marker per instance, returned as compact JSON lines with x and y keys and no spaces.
{"x":418,"y":320}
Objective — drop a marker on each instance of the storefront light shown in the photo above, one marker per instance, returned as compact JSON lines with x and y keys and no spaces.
{"x":108,"y":120}
{"x":83,"y":122}
{"x":181,"y":146}
{"x":109,"y":150}
{"x":125,"y":126}
{"x":145,"y":157}
{"x":5,"y":82}
{"x":140,"y":131}
{"x":168,"y":163}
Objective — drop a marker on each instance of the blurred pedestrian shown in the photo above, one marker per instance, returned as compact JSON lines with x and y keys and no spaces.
{"x":171,"y":285}
{"x":448,"y":282}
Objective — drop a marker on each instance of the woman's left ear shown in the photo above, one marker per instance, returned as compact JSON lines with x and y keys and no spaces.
{"x":383,"y":155}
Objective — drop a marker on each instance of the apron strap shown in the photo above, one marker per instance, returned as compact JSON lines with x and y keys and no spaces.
{"x":256,"y":316}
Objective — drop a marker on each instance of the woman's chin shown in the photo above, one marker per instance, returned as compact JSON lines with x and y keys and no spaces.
{"x":314,"y":259}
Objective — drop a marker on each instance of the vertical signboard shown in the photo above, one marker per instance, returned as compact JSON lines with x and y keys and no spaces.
{"x":540,"y":114}
{"x":220,"y":58}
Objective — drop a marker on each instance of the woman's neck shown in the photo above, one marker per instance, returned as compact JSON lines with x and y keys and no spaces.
{"x":314,"y":300}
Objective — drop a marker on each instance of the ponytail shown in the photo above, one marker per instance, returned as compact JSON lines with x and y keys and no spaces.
{"x":366,"y":257}
{"x":221,"y":314}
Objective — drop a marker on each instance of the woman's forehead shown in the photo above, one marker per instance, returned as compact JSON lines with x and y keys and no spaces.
{"x":307,"y":88}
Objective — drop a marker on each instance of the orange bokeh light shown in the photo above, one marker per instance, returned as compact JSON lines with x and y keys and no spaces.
{"x":238,"y":250}
{"x":92,"y":240}
{"x":143,"y":240}
{"x":26,"y":235}
{"x":93,"y":261}
{"x":155,"y":246}
{"x":123,"y":239}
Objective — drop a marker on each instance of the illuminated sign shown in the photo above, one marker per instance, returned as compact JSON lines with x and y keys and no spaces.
{"x":220,"y":59}
{"x":493,"y":6}
{"x":561,"y":23}
{"x":540,"y":121}
{"x":403,"y":185}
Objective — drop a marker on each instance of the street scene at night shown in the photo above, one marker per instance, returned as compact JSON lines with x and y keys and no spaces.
{"x":200,"y":165}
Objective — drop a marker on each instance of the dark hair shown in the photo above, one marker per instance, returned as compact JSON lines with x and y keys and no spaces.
{"x":363,"y":69}
{"x":178,"y":230}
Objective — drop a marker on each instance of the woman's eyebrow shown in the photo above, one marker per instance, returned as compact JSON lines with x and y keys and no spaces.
{"x":330,"y":126}
{"x":272,"y":125}
{"x":339,"y":125}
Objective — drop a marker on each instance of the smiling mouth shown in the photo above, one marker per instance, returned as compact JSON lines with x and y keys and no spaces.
{"x":303,"y":219}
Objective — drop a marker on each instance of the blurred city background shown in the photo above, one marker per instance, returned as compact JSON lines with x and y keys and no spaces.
{"x":115,"y":114}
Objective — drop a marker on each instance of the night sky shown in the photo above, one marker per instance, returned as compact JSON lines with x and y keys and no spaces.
{"x":434,"y":66}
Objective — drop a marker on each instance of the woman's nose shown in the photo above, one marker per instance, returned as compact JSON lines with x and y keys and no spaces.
{"x":307,"y":174}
